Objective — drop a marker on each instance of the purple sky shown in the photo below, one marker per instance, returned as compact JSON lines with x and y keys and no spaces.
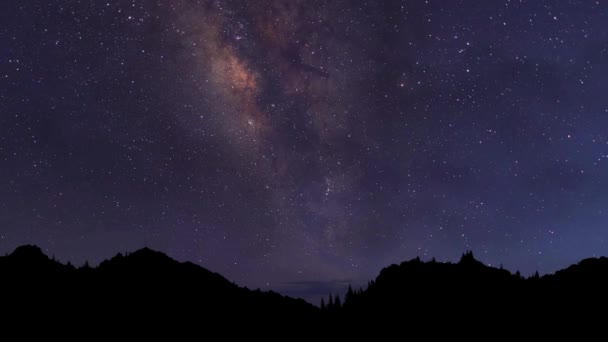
{"x":303,"y":145}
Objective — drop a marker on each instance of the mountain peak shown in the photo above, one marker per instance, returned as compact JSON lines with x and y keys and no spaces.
{"x":142,"y":259}
{"x":148,"y":253}
{"x":29,"y":252}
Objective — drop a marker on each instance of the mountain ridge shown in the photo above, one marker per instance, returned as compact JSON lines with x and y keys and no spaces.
{"x":149,"y":286}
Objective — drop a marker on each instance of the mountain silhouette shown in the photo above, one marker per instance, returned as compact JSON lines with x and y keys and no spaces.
{"x":144,"y":291}
{"x":461,"y":298}
{"x":149,"y":292}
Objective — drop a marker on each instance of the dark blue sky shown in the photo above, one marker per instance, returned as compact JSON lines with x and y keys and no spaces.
{"x":303,"y":145}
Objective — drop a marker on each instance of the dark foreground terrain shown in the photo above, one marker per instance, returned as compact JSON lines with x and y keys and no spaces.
{"x":147,"y":291}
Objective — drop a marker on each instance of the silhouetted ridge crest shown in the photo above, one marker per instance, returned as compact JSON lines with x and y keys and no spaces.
{"x":28,"y":252}
{"x":146,"y":265}
{"x":144,"y":285}
{"x":147,"y":253}
{"x":151,"y":287}
{"x":473,"y":294}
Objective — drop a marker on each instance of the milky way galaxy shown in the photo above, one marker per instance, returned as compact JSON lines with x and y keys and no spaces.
{"x":303,"y":145}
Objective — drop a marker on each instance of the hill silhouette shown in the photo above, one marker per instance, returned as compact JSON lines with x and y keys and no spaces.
{"x":142,"y":290}
{"x":148,"y":290}
{"x":465,"y":296}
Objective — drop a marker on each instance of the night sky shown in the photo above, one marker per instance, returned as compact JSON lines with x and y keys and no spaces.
{"x":302,"y":145}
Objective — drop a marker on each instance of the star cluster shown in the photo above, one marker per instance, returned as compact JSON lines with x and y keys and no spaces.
{"x":302,"y":145}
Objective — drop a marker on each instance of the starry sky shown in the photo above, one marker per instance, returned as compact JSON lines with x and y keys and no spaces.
{"x":302,"y":145}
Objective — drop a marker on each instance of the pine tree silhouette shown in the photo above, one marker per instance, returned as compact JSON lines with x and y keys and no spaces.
{"x":337,"y":303}
{"x":349,"y":294}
